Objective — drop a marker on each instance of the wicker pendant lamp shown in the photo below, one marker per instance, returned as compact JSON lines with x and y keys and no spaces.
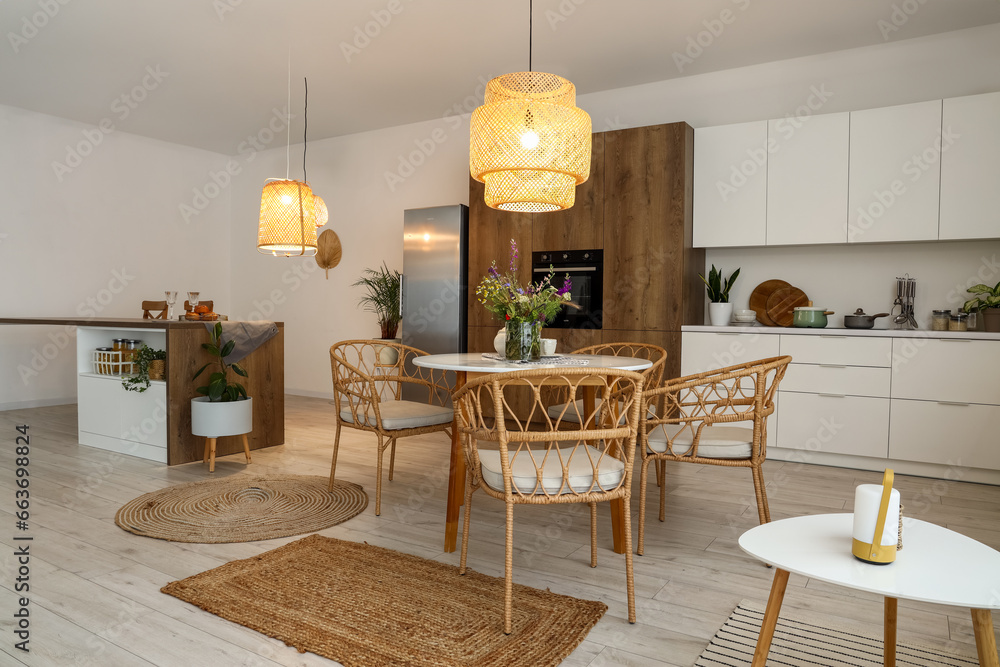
{"x":288,"y":209}
{"x":322,"y":214}
{"x":530,"y":143}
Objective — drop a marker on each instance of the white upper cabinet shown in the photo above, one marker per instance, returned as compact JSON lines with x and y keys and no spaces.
{"x":895,"y":173}
{"x":807,"y":179}
{"x":730,"y":185}
{"x":970,"y":167}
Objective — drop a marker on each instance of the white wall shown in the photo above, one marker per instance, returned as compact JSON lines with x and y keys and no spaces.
{"x":366,"y":212}
{"x":94,"y":241}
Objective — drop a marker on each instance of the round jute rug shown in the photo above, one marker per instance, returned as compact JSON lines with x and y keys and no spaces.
{"x":242,"y":509}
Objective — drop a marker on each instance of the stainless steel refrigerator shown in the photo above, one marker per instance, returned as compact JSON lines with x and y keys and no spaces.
{"x":435,"y":279}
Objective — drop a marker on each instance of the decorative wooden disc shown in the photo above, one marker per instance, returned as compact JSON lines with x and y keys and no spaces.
{"x":758,"y":299}
{"x":782,"y":301}
{"x":328,"y":252}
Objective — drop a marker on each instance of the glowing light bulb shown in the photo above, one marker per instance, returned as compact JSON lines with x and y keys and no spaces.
{"x":287,"y":200}
{"x":427,"y":237}
{"x":529,"y":139}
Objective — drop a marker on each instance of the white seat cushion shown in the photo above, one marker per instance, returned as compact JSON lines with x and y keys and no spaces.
{"x":573,"y":415}
{"x":610,"y":470}
{"x":398,"y":415}
{"x":716,"y":442}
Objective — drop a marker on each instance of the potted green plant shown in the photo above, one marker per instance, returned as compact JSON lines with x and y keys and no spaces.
{"x":223,"y":407}
{"x":147,"y":365}
{"x":720,"y":311}
{"x":987,"y":303}
{"x":382,"y":286}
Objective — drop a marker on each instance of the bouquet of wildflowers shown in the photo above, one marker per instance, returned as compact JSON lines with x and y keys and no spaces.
{"x":536,"y":302}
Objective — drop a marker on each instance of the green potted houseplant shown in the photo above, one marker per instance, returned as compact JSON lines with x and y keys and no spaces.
{"x":987,"y":302}
{"x":720,"y":311}
{"x":223,"y":407}
{"x":382,"y":286}
{"x":148,"y":364}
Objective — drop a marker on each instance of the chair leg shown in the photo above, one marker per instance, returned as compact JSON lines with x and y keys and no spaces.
{"x":508,"y":587}
{"x":392,"y":458}
{"x":207,"y":445}
{"x":593,"y":534}
{"x":629,"y":579}
{"x":465,"y":524}
{"x":659,"y":471}
{"x":663,"y":492}
{"x":333,"y":466}
{"x":246,"y":448}
{"x":378,"y":478}
{"x":643,"y":471}
{"x":763,"y":513}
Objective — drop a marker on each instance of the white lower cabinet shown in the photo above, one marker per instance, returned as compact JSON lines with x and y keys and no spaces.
{"x":952,"y":434}
{"x":838,"y":424}
{"x":712,"y":351}
{"x":98,"y":405}
{"x":129,"y":422}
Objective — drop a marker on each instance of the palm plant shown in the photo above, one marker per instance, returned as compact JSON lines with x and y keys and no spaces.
{"x":382,"y":297}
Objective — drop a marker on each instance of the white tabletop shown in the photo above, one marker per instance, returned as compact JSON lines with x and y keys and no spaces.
{"x":474,"y":362}
{"x":935,"y":565}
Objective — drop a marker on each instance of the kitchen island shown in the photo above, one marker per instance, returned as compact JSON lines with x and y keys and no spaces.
{"x":156,"y":424}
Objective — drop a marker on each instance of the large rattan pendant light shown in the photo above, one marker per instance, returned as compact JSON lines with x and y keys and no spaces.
{"x":288,"y":210}
{"x":530,"y":143}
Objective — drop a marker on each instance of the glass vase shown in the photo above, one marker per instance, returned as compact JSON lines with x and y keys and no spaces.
{"x":524,"y":340}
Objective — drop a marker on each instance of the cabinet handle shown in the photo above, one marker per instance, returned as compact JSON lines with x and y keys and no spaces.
{"x":955,"y":340}
{"x":728,"y":333}
{"x":833,"y":395}
{"x":833,"y":366}
{"x":964,"y":405}
{"x":830,"y":336}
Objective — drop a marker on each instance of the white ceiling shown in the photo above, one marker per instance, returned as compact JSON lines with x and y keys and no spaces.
{"x":226,"y":60}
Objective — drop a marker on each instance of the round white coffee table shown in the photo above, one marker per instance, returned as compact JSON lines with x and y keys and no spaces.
{"x":473,"y":364}
{"x":935,"y":565}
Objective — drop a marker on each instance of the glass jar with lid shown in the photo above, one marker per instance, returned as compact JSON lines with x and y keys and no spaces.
{"x":940,"y":320}
{"x":958,"y":322}
{"x":132,"y":346}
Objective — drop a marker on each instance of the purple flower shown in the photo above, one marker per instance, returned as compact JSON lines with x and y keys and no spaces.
{"x":566,"y":286}
{"x":513,"y":255}
{"x":493,"y":272}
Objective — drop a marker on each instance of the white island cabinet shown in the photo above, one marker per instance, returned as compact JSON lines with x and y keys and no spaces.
{"x":916,"y":401}
{"x":110,"y":417}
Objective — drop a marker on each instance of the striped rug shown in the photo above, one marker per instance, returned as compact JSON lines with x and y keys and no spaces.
{"x":798,"y":643}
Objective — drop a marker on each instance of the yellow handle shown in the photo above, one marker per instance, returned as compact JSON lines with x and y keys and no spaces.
{"x":883,"y":510}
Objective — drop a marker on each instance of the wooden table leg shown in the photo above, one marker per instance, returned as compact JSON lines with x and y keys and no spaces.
{"x":770,"y":617}
{"x":986,"y":641}
{"x":889,"y":633}
{"x":456,"y":477}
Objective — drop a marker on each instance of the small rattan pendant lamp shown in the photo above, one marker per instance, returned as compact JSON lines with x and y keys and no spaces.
{"x":288,"y":209}
{"x":530,"y":143}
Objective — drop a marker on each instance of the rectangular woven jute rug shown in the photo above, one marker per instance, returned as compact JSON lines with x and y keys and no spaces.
{"x":366,"y":606}
{"x":801,"y":642}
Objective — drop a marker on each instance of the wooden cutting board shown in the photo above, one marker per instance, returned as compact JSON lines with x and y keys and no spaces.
{"x":759,"y":296}
{"x":782,"y":301}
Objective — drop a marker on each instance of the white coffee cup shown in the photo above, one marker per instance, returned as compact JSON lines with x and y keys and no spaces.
{"x":548,"y":347}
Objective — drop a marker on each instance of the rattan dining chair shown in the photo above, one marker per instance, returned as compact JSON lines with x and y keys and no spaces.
{"x":538,"y":459}
{"x":368,"y":381}
{"x":149,"y":306}
{"x":653,"y":375}
{"x":699,"y":423}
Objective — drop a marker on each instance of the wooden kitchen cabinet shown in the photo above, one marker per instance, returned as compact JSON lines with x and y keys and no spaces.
{"x":490,"y":233}
{"x":895,"y":173}
{"x":582,"y":226}
{"x":650,"y":267}
{"x":730,"y":185}
{"x":807,"y":179}
{"x":970,"y":167}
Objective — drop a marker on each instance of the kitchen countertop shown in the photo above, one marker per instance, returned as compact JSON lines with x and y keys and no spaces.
{"x":831,"y":331}
{"x":116,"y":322}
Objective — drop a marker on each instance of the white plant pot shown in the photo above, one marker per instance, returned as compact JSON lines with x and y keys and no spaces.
{"x":388,"y":356}
{"x":500,"y":342}
{"x":720,"y":314}
{"x":216,"y":419}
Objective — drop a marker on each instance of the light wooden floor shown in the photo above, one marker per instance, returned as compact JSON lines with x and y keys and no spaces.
{"x":95,"y":596}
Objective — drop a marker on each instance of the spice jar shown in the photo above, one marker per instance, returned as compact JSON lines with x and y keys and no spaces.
{"x":958,"y":322}
{"x":940,"y":320}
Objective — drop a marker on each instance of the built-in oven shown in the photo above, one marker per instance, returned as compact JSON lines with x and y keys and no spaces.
{"x":586,"y":271}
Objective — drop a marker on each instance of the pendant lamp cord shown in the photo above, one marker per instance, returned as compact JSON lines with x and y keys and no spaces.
{"x":530,"y":26}
{"x":305,"y":132}
{"x":288,"y":143}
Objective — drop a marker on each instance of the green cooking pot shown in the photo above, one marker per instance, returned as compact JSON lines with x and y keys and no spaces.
{"x":809,"y":316}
